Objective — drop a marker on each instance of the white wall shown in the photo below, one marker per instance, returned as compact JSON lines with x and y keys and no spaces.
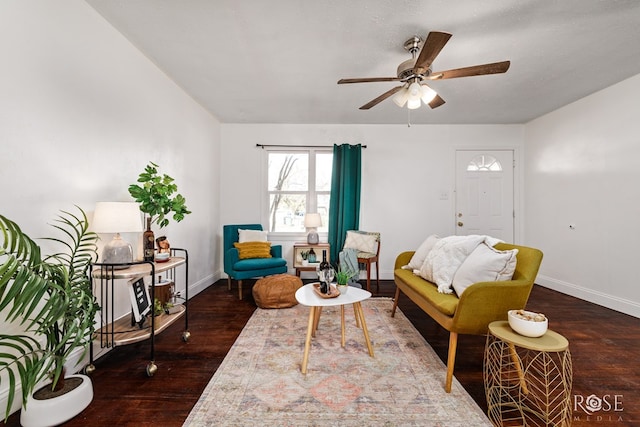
{"x":404,"y":172}
{"x":82,"y":112}
{"x":582,"y":169}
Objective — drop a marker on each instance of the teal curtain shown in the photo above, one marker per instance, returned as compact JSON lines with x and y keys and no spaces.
{"x":344,"y":210}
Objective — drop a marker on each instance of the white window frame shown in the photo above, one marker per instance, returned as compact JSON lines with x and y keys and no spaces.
{"x":311,"y":193}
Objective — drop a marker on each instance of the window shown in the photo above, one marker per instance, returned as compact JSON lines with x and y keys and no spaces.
{"x":298,"y":181}
{"x":484,"y":163}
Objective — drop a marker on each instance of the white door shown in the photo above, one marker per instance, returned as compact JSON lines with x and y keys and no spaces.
{"x":484,"y":193}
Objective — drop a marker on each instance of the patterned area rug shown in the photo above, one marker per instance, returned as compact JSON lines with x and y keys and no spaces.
{"x":260,"y":383}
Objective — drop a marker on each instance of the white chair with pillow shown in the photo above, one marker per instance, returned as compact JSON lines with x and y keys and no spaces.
{"x":248,"y":254}
{"x":367,"y":243}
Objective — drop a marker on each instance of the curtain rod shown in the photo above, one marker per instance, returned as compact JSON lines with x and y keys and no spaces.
{"x":298,"y":146}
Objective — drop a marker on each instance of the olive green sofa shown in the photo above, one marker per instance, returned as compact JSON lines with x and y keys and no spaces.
{"x":479,"y":305}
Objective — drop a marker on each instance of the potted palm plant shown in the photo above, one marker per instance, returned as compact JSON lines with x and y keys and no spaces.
{"x":50,"y":299}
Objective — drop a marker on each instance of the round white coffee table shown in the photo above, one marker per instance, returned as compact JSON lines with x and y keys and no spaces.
{"x":306,"y":295}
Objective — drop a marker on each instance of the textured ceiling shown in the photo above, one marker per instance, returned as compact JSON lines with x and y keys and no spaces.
{"x":257,"y":61}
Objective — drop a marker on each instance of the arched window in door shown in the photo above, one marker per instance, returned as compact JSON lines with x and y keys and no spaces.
{"x":484,"y":163}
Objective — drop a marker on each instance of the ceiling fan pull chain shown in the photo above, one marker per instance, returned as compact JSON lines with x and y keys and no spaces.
{"x":408,"y":118}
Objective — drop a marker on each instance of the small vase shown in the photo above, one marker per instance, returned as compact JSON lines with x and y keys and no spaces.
{"x":342,"y":288}
{"x":148,"y":242}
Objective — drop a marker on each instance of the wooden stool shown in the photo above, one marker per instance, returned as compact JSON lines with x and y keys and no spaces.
{"x":277,"y":291}
{"x":527,"y":381}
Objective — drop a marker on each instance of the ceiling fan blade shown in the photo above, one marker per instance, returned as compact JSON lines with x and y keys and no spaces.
{"x":368,"y":80}
{"x":476,"y":70}
{"x":436,"y":102}
{"x":431,"y":48}
{"x":381,"y":98}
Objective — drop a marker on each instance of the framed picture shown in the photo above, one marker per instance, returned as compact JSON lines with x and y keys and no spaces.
{"x":140,"y":299}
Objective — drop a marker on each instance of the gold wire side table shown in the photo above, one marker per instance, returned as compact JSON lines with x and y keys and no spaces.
{"x":527,"y":381}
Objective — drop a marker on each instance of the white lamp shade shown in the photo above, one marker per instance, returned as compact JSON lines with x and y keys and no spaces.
{"x":117,"y":217}
{"x":414,"y":90}
{"x":414,"y":103}
{"x":400,"y":98}
{"x":428,"y":94}
{"x":312,"y":220}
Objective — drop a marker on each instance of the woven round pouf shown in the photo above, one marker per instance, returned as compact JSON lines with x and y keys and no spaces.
{"x":277,"y":291}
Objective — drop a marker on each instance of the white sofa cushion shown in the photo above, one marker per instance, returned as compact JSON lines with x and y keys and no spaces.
{"x":446,"y":257}
{"x":251,"y":236}
{"x":485,"y":264}
{"x":421,"y":253}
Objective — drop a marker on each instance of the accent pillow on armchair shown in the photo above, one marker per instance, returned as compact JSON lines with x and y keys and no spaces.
{"x":255,"y":260}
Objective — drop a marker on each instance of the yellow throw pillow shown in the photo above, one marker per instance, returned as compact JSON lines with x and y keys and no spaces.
{"x":253,"y":250}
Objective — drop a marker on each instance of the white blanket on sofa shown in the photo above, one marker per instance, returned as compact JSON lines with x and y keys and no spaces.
{"x":447,"y":256}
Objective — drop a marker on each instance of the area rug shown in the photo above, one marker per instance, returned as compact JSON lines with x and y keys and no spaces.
{"x":259,"y":383}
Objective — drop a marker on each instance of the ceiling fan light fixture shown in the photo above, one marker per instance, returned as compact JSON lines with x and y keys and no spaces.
{"x":415,"y":91}
{"x":413,"y":103}
{"x":413,"y":71}
{"x":427,"y":94}
{"x":401,"y":97}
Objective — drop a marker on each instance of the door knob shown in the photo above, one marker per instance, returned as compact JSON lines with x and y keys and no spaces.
{"x":460,"y":223}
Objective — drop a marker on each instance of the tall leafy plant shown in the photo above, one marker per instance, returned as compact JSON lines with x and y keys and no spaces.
{"x":49,"y":297}
{"x":155,"y":193}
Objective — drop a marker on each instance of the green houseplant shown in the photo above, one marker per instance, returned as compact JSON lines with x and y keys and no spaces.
{"x":155,"y":193}
{"x":342,"y":278}
{"x":343,"y":275}
{"x":50,"y":298}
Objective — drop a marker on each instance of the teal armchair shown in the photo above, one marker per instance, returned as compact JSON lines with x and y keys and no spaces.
{"x":240,"y":269}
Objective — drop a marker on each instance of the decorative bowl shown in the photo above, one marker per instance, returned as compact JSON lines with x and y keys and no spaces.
{"x":162,"y":257}
{"x":528,"y":323}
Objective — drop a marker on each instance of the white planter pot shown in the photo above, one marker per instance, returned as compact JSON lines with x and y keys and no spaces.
{"x":57,"y":410}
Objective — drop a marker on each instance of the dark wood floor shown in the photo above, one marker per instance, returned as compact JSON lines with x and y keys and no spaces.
{"x":605,"y":347}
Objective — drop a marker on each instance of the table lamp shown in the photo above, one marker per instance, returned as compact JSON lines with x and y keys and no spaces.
{"x":312,"y":221}
{"x":117,"y":217}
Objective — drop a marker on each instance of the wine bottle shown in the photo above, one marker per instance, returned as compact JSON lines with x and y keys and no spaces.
{"x":148,"y":242}
{"x":324,"y":267}
{"x":312,"y":256}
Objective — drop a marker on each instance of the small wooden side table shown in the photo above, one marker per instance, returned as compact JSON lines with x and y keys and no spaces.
{"x":304,"y":246}
{"x":527,"y":381}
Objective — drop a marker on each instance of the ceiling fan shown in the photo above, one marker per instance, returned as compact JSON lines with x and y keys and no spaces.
{"x":414,"y":71}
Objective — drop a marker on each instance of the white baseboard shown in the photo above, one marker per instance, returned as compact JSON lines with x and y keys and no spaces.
{"x":613,"y":302}
{"x":4,"y":398}
{"x":203,"y":284}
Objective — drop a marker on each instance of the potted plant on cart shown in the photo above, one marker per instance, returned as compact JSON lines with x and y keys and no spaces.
{"x":155,"y":194}
{"x":50,"y":301}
